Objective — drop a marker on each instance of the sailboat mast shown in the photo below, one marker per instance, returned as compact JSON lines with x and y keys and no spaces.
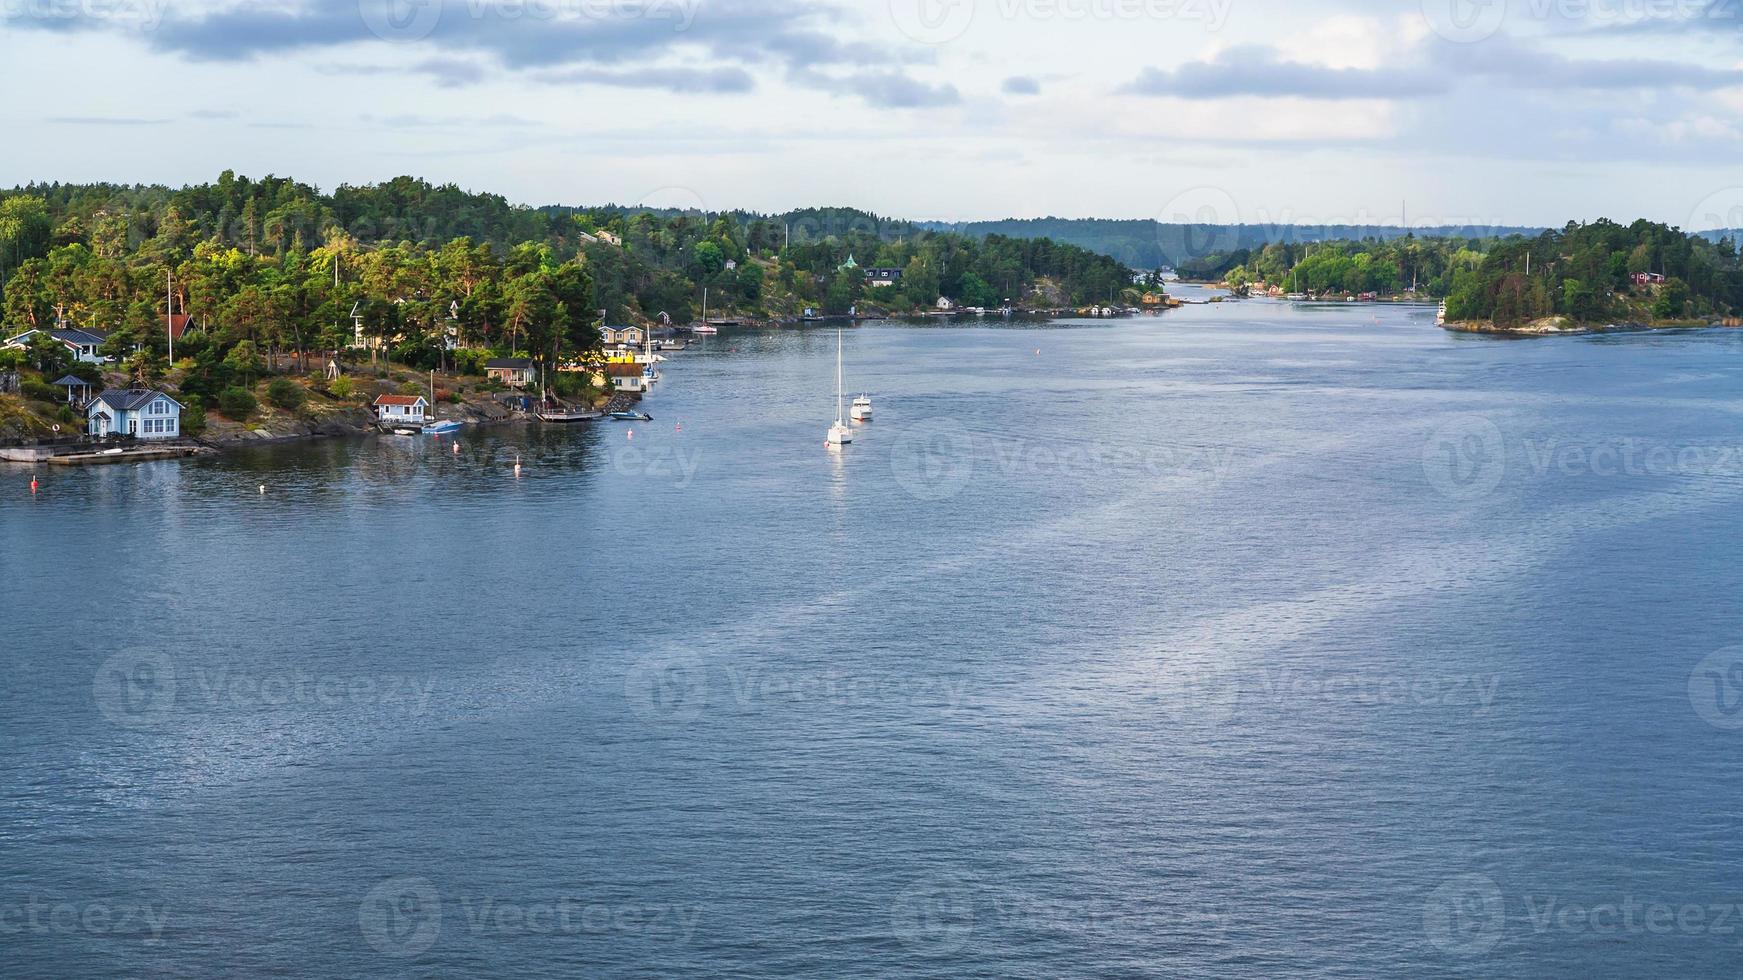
{"x":837,"y":377}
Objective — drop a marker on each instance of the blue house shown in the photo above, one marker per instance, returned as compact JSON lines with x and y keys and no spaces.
{"x":138,"y":412}
{"x":82,"y":344}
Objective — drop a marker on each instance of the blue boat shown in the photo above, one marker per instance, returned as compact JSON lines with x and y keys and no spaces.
{"x":632,"y":416}
{"x":443,"y":427}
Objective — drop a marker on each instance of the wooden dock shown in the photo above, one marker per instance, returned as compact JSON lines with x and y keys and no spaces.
{"x":124,"y":456}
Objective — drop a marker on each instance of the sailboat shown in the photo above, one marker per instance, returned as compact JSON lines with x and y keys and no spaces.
{"x":702,"y":326}
{"x":839,"y":433}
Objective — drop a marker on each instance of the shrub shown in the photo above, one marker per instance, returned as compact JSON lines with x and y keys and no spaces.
{"x":193,"y":420}
{"x":286,"y":394}
{"x":342,"y":387}
{"x":236,"y":403}
{"x":41,"y":391}
{"x":411,"y":388}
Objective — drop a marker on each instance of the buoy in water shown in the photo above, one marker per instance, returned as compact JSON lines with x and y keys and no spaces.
{"x":33,"y":484}
{"x":517,"y":466}
{"x":456,"y":449}
{"x":263,"y":488}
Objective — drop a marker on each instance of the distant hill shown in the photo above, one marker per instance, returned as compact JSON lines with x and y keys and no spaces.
{"x":1149,"y":244}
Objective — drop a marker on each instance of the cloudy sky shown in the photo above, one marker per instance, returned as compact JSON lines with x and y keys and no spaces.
{"x":1263,"y":111}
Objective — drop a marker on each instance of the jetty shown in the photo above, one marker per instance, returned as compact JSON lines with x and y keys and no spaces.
{"x":141,"y":454}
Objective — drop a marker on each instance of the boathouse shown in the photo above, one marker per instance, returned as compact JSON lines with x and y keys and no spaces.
{"x":400,"y":409}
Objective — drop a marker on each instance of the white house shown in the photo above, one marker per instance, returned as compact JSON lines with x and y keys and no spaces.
{"x":401,"y":409}
{"x":946,"y":304}
{"x":138,"y":412}
{"x":82,"y":344}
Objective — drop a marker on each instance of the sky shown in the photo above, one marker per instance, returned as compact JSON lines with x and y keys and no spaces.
{"x":1367,"y":112}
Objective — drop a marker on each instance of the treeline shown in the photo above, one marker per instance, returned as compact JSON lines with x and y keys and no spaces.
{"x":1201,"y":250}
{"x":280,"y":234}
{"x":1425,"y":266}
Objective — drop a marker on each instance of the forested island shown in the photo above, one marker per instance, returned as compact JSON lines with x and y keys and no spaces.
{"x":1580,"y":277}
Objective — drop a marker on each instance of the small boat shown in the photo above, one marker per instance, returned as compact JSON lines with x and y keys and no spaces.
{"x":839,"y":433}
{"x":704,"y":328}
{"x":672,"y":344}
{"x":632,"y":416}
{"x":567,"y":416}
{"x":861,"y":411}
{"x":443,"y":427}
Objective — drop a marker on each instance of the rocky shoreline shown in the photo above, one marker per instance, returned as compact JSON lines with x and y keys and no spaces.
{"x":1560,"y":326}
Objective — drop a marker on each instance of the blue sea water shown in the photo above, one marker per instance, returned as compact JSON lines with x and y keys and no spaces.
{"x":1252,"y":640}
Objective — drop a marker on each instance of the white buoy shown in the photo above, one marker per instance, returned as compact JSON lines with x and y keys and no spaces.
{"x":263,"y":489}
{"x":517,"y":466}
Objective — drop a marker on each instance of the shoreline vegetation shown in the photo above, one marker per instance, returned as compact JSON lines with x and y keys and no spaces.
{"x":264,"y":283}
